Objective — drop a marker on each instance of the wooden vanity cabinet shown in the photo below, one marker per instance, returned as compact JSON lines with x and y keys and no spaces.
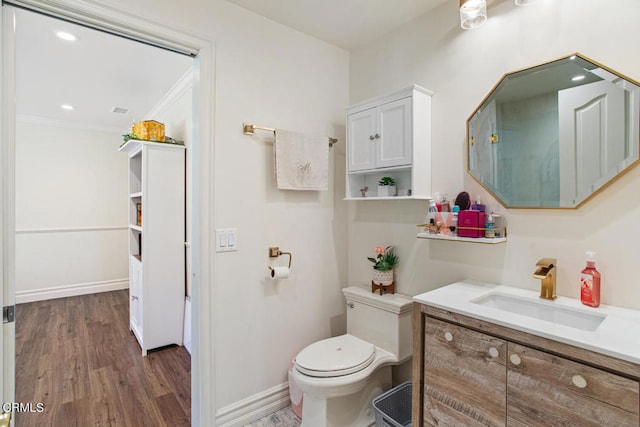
{"x":468,"y":372}
{"x":548,"y":390}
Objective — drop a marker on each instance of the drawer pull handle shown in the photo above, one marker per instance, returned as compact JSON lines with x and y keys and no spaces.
{"x":515,"y":359}
{"x":448,"y":336}
{"x":579,"y":381}
{"x":493,"y":352}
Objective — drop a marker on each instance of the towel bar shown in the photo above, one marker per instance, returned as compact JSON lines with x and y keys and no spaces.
{"x":248,"y":129}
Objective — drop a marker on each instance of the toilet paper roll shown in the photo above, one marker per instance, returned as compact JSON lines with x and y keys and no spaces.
{"x":279,"y":273}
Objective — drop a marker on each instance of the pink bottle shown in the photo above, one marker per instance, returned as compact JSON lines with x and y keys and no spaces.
{"x":590,"y":283}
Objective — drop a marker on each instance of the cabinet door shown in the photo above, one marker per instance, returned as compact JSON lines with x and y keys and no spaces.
{"x":464,"y":377}
{"x":546,"y":390}
{"x":135,"y":295}
{"x":394,"y":124}
{"x":361,"y":140}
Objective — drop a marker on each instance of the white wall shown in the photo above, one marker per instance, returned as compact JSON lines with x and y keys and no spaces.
{"x":175,"y":111}
{"x":272,"y":76}
{"x":71,"y":212}
{"x":461,"y":67}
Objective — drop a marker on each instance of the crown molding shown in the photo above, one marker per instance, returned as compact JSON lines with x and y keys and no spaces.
{"x":184,"y":84}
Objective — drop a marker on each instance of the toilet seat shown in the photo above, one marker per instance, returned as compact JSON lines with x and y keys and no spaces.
{"x":335,"y":357}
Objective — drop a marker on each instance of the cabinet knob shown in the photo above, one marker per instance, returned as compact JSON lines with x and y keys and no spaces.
{"x":579,"y":381}
{"x":350,"y":305}
{"x":377,"y":136}
{"x":515,"y":359}
{"x":493,"y":352}
{"x":371,"y":137}
{"x":133,"y":297}
{"x":448,"y":336}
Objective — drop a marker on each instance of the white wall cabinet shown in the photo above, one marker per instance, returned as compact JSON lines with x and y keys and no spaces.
{"x":390,"y":136}
{"x":156,"y":242}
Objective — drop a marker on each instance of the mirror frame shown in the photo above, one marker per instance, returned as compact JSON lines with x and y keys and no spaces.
{"x":490,"y":93}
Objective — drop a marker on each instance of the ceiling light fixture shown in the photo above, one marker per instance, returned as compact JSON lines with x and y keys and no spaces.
{"x":524,"y":2}
{"x":473,"y":13}
{"x":67,"y":107}
{"x":66,"y":36}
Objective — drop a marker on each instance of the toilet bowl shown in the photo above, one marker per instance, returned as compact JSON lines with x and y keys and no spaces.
{"x":340,"y":376}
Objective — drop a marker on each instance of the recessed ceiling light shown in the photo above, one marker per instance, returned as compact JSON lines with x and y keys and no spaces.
{"x":120,"y":110}
{"x":578,"y":77}
{"x":67,"y":107}
{"x":66,"y":36}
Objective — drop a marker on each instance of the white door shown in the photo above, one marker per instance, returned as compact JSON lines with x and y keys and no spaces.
{"x":7,"y":222}
{"x":481,"y":150}
{"x":591,"y":131}
{"x":394,"y":124}
{"x":361,"y":128}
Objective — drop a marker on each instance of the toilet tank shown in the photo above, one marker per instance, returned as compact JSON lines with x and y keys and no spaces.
{"x":383,"y":320}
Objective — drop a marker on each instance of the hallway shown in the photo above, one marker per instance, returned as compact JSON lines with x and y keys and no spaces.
{"x":77,"y":356}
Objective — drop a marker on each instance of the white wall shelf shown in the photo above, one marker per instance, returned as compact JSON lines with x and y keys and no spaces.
{"x":484,"y":240}
{"x":387,"y":198}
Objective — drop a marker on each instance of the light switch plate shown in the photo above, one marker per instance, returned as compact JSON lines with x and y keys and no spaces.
{"x":226,"y":239}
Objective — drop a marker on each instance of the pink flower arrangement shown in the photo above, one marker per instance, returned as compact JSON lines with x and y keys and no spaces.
{"x":385,"y":259}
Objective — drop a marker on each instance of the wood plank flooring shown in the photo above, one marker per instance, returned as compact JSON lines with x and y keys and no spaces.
{"x":77,"y":356}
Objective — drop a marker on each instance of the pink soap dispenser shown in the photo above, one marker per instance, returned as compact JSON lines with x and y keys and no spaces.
{"x":590,"y":282}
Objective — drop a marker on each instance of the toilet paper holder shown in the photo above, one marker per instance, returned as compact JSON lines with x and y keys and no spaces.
{"x":274,"y":252}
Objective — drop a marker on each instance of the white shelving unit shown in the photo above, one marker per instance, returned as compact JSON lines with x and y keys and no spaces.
{"x":390,"y":136}
{"x":484,"y":240}
{"x":156,"y":243}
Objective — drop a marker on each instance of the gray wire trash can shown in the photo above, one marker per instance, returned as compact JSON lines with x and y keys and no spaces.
{"x":393,"y":408}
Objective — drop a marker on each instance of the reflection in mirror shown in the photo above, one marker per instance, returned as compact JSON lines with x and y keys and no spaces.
{"x":555,"y":134}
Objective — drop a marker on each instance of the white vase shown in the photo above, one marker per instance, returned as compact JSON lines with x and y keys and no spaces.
{"x":386,"y":190}
{"x":383,"y":277}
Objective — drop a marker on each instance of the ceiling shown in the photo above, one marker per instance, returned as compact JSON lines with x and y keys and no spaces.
{"x":349,"y":24}
{"x":99,"y":71}
{"x":94,"y":74}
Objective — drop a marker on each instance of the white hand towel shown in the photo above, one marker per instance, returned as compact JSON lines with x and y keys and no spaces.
{"x":302,"y":161}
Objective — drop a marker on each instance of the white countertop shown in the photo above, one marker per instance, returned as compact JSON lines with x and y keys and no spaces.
{"x":617,"y":335}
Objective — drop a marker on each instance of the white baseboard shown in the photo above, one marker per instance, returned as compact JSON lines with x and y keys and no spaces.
{"x":71,"y":290}
{"x":254,"y":407}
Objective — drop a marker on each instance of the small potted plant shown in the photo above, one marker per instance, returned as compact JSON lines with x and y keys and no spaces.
{"x":383,"y":264}
{"x":386,"y":187}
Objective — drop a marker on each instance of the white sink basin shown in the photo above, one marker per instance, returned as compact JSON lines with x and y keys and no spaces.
{"x":542,"y":310}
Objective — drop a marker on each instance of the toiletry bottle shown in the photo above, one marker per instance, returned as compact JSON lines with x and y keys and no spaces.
{"x":478,"y":206}
{"x":445,"y":205}
{"x":590,"y":282}
{"x":489,"y":227}
{"x":454,"y":220}
{"x":431,"y":217}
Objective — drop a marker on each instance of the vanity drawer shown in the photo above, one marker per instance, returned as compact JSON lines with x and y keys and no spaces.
{"x":548,"y":390}
{"x":464,"y":376}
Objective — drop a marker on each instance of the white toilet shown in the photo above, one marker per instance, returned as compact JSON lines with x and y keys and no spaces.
{"x":341,"y":376}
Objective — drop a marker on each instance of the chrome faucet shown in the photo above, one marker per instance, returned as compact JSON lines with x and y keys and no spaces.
{"x":546,"y":271}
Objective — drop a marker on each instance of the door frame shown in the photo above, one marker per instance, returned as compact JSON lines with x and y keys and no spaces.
{"x":121,"y":23}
